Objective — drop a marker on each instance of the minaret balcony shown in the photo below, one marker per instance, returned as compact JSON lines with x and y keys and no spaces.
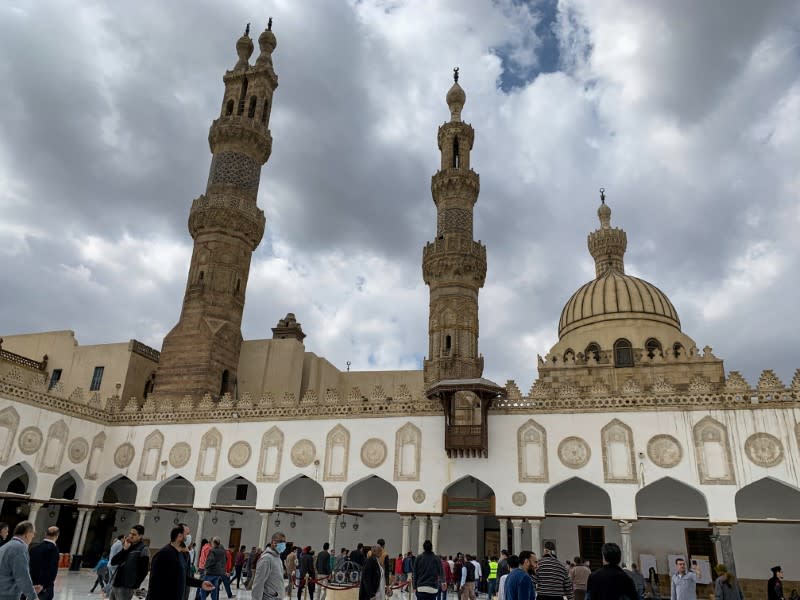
{"x":455,"y":182}
{"x":241,"y":133}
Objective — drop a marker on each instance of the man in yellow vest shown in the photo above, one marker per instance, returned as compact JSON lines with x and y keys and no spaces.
{"x":492,"y":578}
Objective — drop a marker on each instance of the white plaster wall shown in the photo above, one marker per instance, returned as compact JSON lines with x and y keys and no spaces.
{"x":759,"y":546}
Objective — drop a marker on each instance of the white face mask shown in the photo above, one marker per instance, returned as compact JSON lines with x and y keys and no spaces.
{"x":188,"y":540}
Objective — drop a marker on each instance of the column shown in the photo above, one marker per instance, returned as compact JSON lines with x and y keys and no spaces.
{"x":504,"y":534}
{"x":201,"y":518}
{"x":142,"y":516}
{"x":536,"y":536}
{"x":76,"y":535}
{"x":332,"y":522}
{"x":725,"y":546}
{"x":435,"y":532}
{"x":406,"y":543}
{"x":262,"y":535}
{"x":423,"y":532}
{"x":33,"y":512}
{"x":517,"y":535}
{"x":625,"y":537}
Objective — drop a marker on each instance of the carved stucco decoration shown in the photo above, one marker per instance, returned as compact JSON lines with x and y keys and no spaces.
{"x":180,"y":454}
{"x":9,"y":420}
{"x":619,"y":462}
{"x":337,"y":453}
{"x":418,"y":496}
{"x":303,"y":453}
{"x":764,"y":450}
{"x":95,"y":455}
{"x":78,"y":450}
{"x":407,"y":453}
{"x":373,"y":453}
{"x":664,"y":451}
{"x":208,"y":457}
{"x":54,"y":448}
{"x":532,"y":453}
{"x":151,"y":456}
{"x":124,"y":455}
{"x":239,"y":454}
{"x":574,"y":452}
{"x":519,"y":498}
{"x":713,"y":452}
{"x":30,"y":440}
{"x":269,"y":460}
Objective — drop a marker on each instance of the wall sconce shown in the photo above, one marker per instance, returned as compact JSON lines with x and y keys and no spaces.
{"x":232,"y":522}
{"x":176,"y":520}
{"x":293,"y":524}
{"x":342,"y":524}
{"x":214,"y":519}
{"x":123,"y":518}
{"x":277,"y":521}
{"x":52,"y":513}
{"x":355,"y":525}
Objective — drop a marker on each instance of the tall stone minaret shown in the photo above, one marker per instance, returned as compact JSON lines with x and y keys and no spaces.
{"x":454,"y":265}
{"x":201,"y":353}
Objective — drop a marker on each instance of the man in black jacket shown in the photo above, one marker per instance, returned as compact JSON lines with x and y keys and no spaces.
{"x":371,"y":580}
{"x":610,"y":582}
{"x":307,"y":574}
{"x":324,"y":567}
{"x":132,"y":563}
{"x":428,"y":573}
{"x":44,"y":564}
{"x":169,"y":575}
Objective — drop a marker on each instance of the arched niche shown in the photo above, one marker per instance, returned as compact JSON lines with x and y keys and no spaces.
{"x":619,"y":462}
{"x":9,"y":423}
{"x":57,"y":434}
{"x":369,"y":493}
{"x":768,"y":499}
{"x":67,"y":487}
{"x":577,"y":496}
{"x":95,"y":455}
{"x":269,"y":458}
{"x":532,"y":453}
{"x":234,"y":491}
{"x":119,"y":490}
{"x":337,"y":451}
{"x":407,"y":453}
{"x":151,"y":456}
{"x":175,"y":490}
{"x":468,"y":495}
{"x":208,"y":458}
{"x":713,"y":451}
{"x":669,"y":497}
{"x":300,"y":492}
{"x":16,"y":479}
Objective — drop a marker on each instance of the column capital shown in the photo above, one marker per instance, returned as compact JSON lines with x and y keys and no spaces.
{"x":436,"y":519}
{"x":35,"y":504}
{"x":332,"y":517}
{"x":516,"y":523}
{"x":722,"y":529}
{"x":502,"y":519}
{"x":625,"y":527}
{"x":406,"y":519}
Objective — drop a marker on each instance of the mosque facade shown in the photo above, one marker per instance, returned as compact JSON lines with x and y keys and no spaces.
{"x":630,"y":433}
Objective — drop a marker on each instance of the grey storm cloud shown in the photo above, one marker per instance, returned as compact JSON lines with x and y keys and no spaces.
{"x":685,"y":112}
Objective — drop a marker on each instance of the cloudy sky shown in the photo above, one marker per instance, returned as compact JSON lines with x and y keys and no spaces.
{"x":686,"y":112}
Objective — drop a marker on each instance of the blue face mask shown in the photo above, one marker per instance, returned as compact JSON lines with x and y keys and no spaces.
{"x":280,"y":547}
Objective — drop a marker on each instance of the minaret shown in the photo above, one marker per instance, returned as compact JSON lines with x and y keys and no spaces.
{"x":201,"y":353}
{"x":454,"y":267}
{"x":607,"y":245}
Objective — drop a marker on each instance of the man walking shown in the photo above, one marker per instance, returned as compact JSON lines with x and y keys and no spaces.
{"x":518,"y":583}
{"x":169,"y":575}
{"x":468,"y":578}
{"x":579,"y":576}
{"x":268,"y":578}
{"x":551,"y":577}
{"x":638,"y":580}
{"x":610,"y":582}
{"x":132,"y":563}
{"x":44,"y":564}
{"x":112,"y":570}
{"x":324,"y":568}
{"x":15,"y":579}
{"x":684,"y":584}
{"x":428,"y":575}
{"x":491,"y":579}
{"x":775,"y":584}
{"x":215,"y":568}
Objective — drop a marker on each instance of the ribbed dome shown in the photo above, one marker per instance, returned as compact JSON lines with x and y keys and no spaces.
{"x":614,"y":295}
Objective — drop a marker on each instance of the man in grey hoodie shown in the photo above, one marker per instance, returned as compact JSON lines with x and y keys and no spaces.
{"x":15,"y":578}
{"x":268,"y":580}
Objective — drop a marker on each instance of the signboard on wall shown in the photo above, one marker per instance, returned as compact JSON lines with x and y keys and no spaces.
{"x":647,"y":562}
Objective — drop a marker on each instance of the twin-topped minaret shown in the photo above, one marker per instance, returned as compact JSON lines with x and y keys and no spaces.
{"x":201,"y":353}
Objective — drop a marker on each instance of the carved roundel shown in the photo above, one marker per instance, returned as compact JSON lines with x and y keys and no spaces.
{"x":239,"y":454}
{"x":418,"y":496}
{"x":180,"y":454}
{"x":574,"y":452}
{"x":303,"y":453}
{"x":78,"y":450}
{"x":373,"y":453}
{"x":764,"y":450}
{"x":123,"y":457}
{"x":665,"y":451}
{"x":519,"y":498}
{"x":30,"y":440}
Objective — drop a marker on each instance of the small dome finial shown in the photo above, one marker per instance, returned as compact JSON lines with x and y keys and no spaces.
{"x":247,"y":29}
{"x":269,"y":24}
{"x":603,"y":195}
{"x":455,"y":74}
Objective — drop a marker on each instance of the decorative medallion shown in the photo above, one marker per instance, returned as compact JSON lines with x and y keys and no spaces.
{"x":519,"y":498}
{"x":665,"y":451}
{"x":764,"y":449}
{"x":239,"y":454}
{"x":78,"y":450}
{"x":303,"y":453}
{"x":123,"y":457}
{"x":180,"y":454}
{"x":418,"y":496}
{"x":30,"y":440}
{"x":574,"y":452}
{"x":373,"y":453}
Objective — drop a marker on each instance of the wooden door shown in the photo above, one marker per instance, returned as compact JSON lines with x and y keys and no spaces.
{"x":235,"y":538}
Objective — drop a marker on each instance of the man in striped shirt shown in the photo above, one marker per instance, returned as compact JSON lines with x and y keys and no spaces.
{"x":551,"y":577}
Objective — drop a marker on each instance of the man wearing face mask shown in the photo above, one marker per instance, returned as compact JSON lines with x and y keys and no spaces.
{"x":519,"y":584}
{"x":268,"y":580}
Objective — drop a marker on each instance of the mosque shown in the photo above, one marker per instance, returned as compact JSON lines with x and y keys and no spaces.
{"x":629,"y":434}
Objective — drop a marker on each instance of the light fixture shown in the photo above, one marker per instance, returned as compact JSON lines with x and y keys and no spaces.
{"x":103,"y":516}
{"x":52,"y":513}
{"x":214,"y":519}
{"x":232,"y":522}
{"x":355,"y":526}
{"x":277,"y":522}
{"x":342,"y":524}
{"x":123,"y":518}
{"x":157,"y":518}
{"x":74,"y":514}
{"x":176,"y":520}
{"x":293,"y":524}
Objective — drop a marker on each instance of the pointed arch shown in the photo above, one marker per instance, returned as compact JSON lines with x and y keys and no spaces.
{"x":713,"y":452}
{"x":95,"y":455}
{"x":337,"y":454}
{"x":173,"y":490}
{"x":768,"y":498}
{"x":151,"y":456}
{"x":9,"y":423}
{"x":50,"y":459}
{"x":532,"y":453}
{"x":270,"y":455}
{"x":619,"y":460}
{"x":577,"y":496}
{"x":62,"y":486}
{"x":117,"y":490}
{"x":21,"y":470}
{"x":229,"y":492}
{"x":299,"y":492}
{"x":370,"y":492}
{"x":468,"y":495}
{"x":208,"y":457}
{"x":407,"y":453}
{"x":668,"y":497}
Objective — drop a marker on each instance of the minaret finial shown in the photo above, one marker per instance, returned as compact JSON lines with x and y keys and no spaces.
{"x":247,"y":29}
{"x":455,"y":74}
{"x":602,"y":195}
{"x":269,"y":24}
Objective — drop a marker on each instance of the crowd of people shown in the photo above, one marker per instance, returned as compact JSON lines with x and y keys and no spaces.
{"x":283,"y":569}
